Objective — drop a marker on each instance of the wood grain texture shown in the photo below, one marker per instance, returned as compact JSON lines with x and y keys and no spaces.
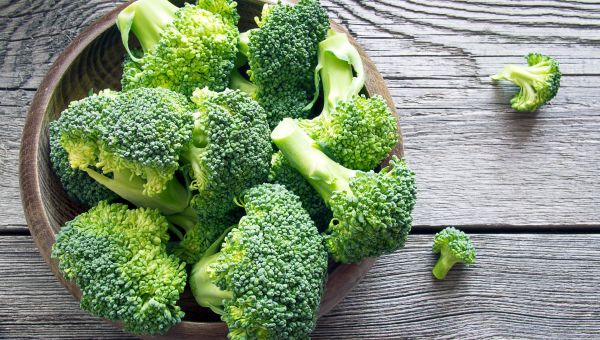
{"x":523,"y":286}
{"x":477,"y":162}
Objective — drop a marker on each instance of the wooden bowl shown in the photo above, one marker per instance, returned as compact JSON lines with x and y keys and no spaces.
{"x":93,"y":61}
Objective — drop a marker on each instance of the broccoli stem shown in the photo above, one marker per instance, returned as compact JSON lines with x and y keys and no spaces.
{"x":443,"y":265}
{"x":174,"y":199}
{"x":304,"y":155}
{"x":186,"y":219}
{"x":206,"y":293}
{"x":340,"y":68}
{"x":146,"y":19}
{"x":523,"y":76}
{"x":238,"y":82}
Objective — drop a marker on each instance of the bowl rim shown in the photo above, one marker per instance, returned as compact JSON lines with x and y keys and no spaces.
{"x":342,"y":279}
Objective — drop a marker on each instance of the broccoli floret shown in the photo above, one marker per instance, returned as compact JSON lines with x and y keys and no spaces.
{"x":267,"y":278}
{"x":454,"y":246}
{"x":282,"y":173}
{"x":118,"y":258}
{"x":371,"y":211}
{"x":282,"y":55}
{"x":230,"y":149}
{"x":183,"y":48}
{"x":539,"y":81}
{"x":356,"y":131}
{"x":132,"y":146}
{"x":76,"y":183}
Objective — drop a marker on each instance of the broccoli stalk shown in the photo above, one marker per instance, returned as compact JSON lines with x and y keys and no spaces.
{"x":538,"y":81}
{"x":146,"y":19}
{"x":454,"y":246}
{"x":371,"y":211}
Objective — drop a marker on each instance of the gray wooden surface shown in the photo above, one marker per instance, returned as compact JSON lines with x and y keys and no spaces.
{"x":525,"y":184}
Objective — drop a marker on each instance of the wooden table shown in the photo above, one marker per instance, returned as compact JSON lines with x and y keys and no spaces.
{"x":524,"y":185}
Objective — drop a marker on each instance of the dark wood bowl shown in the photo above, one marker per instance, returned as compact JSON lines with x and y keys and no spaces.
{"x":93,"y":61}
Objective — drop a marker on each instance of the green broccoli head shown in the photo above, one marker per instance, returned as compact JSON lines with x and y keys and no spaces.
{"x":76,"y":183}
{"x":267,"y":279}
{"x":356,"y":131}
{"x":281,"y":172}
{"x":230,"y":149}
{"x":131,"y":145}
{"x":371,"y":211}
{"x":282,"y":55}
{"x":454,"y":246}
{"x":183,"y":48}
{"x":118,"y":258}
{"x":539,"y":81}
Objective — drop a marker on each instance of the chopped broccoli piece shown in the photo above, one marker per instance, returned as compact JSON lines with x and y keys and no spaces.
{"x":77,"y":184}
{"x":118,"y":258}
{"x":356,"y":131}
{"x":282,"y":173}
{"x":454,"y":246}
{"x":183,"y":48}
{"x":371,"y":211}
{"x":539,"y":81}
{"x":282,"y":55}
{"x":267,"y":278}
{"x":230,"y":149}
{"x":131,"y":146}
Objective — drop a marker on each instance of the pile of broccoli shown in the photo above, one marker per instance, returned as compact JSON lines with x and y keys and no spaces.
{"x":237,"y":163}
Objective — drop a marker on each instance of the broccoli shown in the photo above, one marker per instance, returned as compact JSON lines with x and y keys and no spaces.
{"x":118,"y":258}
{"x":267,"y":278}
{"x":183,"y":48}
{"x":132,"y":146}
{"x":230,"y":149}
{"x":282,"y":55}
{"x":282,"y":173}
{"x":454,"y":246}
{"x":77,"y":184}
{"x":539,"y":81}
{"x":371,"y":211}
{"x":355,"y":131}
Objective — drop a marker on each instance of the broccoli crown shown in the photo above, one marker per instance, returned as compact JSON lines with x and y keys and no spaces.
{"x":80,"y":187}
{"x":283,"y":173}
{"x":230,"y":149}
{"x":539,"y":81}
{"x":454,"y":246}
{"x":118,"y":259}
{"x":78,"y":127}
{"x":359,"y":133}
{"x":371,"y":211}
{"x":190,"y":47}
{"x":356,"y":131}
{"x":227,"y":9}
{"x":282,"y":55}
{"x":144,"y":131}
{"x":271,"y":269}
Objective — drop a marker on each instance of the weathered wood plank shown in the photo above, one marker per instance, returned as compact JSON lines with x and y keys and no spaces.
{"x":477,"y":162}
{"x":523,"y":285}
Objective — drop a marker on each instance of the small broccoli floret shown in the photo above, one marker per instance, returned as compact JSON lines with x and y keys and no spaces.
{"x":132,"y":146}
{"x":76,"y":183}
{"x":118,"y":258}
{"x":183,"y":48}
{"x":266,"y":279}
{"x":230,"y":149}
{"x":371,"y":211}
{"x":356,"y":131}
{"x":282,"y":173}
{"x":539,"y":81}
{"x":282,"y":55}
{"x":454,"y":246}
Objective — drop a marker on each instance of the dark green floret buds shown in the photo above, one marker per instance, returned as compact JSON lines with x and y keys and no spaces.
{"x":454,"y":246}
{"x":267,"y":277}
{"x":539,"y":81}
{"x":371,"y":211}
{"x":118,"y":258}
